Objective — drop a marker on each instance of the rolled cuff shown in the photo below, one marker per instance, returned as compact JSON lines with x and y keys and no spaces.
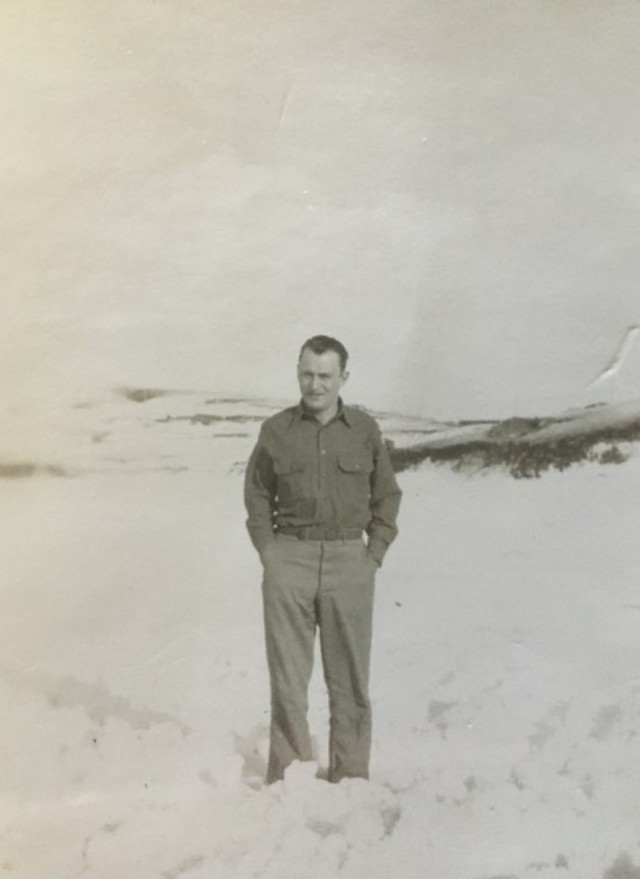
{"x":377,"y":549}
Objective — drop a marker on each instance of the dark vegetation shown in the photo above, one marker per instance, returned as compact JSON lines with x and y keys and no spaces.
{"x":522,"y":458}
{"x":204,"y":418}
{"x":215,"y":401}
{"x":515,"y":445}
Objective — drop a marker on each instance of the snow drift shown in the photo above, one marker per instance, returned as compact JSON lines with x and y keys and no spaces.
{"x":506,"y":696}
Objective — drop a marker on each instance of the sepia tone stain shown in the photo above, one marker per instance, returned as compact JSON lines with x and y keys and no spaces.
{"x":605,"y":721}
{"x":95,"y":699}
{"x":622,"y":868}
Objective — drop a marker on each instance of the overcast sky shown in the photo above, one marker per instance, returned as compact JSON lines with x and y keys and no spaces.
{"x":193,"y":187}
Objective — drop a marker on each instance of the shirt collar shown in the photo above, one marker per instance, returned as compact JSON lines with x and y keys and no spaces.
{"x":342,"y":414}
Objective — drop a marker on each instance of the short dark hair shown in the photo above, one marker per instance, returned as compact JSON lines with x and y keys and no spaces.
{"x":321,"y":344}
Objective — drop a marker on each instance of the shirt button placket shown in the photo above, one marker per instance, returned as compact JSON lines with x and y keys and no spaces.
{"x":321,"y":476}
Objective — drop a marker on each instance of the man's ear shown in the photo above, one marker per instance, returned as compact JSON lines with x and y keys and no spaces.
{"x":345,"y":376}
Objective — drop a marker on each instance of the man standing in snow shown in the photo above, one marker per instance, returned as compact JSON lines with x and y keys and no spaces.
{"x":318,"y":481}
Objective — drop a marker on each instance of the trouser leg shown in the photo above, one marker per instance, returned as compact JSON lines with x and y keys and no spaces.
{"x":345,"y":619}
{"x":290,"y":585}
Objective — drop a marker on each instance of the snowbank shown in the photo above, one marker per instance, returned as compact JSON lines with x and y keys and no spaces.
{"x":506,"y":697}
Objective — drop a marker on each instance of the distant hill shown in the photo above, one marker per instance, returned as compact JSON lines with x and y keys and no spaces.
{"x":144,"y":430}
{"x":527,"y":447}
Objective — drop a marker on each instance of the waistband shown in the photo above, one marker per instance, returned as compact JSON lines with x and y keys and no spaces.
{"x":319,"y":532}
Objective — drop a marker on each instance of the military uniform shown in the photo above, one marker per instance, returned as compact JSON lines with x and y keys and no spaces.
{"x":312,"y":492}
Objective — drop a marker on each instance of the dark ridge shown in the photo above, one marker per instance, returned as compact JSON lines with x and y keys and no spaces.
{"x":515,"y":427}
{"x":26,"y":469}
{"x":203,"y":418}
{"x":141,"y":395}
{"x":522,"y":459}
{"x":424,"y":430}
{"x":225,"y":400}
{"x":246,"y":401}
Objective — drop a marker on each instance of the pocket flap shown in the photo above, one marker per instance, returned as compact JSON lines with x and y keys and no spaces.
{"x":285,"y":466}
{"x":355,"y":463}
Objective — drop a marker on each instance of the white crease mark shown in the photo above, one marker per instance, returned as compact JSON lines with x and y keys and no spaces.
{"x":616,"y":363}
{"x":285,"y":105}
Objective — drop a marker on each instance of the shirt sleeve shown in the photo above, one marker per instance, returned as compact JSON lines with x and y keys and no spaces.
{"x":260,"y":495}
{"x":384,"y":501}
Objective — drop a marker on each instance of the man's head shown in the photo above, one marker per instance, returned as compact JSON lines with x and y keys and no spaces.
{"x":321,"y":374}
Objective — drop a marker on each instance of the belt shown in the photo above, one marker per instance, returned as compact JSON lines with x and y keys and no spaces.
{"x":318,"y":532}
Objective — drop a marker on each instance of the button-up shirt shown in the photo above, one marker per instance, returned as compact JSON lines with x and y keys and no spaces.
{"x":337,"y":476}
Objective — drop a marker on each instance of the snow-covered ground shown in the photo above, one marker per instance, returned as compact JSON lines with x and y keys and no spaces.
{"x":505,"y":668}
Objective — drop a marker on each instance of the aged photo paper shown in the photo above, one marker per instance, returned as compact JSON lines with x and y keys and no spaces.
{"x":192,"y":188}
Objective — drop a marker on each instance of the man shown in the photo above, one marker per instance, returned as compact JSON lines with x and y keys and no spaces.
{"x":318,"y":479}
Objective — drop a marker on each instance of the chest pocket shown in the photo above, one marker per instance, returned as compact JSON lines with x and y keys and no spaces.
{"x":291,"y":478}
{"x":356,"y":463}
{"x":354,"y":485}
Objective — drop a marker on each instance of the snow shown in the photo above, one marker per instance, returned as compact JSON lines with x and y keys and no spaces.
{"x":505,"y":684}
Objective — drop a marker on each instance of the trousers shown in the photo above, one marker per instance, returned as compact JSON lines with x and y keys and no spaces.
{"x":329,"y":586}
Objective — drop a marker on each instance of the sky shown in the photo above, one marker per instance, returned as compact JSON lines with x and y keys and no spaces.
{"x":191,"y":189}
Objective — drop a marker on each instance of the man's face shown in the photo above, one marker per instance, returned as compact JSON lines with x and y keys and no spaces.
{"x":320,"y":378}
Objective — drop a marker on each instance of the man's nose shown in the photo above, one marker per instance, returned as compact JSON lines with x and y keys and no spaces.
{"x":315,"y":383}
